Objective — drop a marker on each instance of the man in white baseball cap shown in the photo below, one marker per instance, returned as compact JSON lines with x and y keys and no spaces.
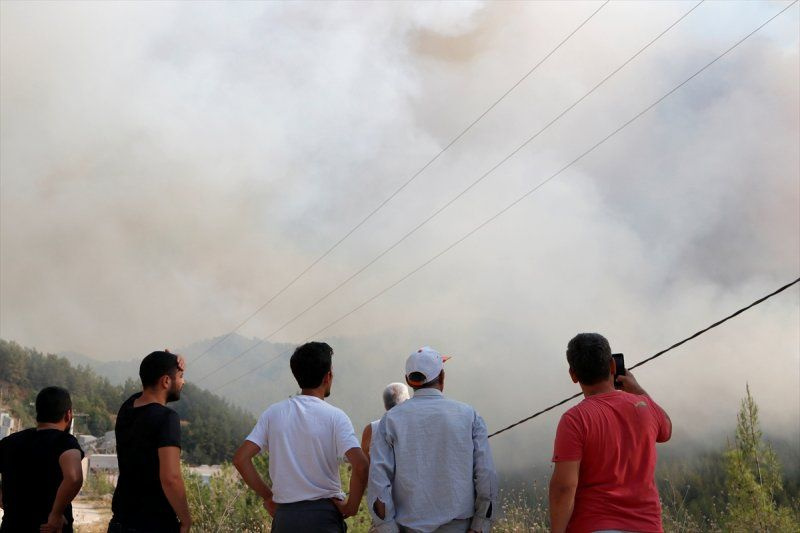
{"x":424,"y":366}
{"x":432,"y":468}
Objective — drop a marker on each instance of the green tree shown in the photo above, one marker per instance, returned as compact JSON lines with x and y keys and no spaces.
{"x":754,"y":479}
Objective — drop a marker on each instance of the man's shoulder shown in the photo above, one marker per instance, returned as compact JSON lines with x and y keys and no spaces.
{"x":592,"y":406}
{"x":458,"y":405}
{"x":576,"y":412}
{"x":443,"y":403}
{"x":68,"y":438}
{"x":19,"y":437}
{"x":316,"y":405}
{"x":128,"y":403}
{"x":332,"y":410}
{"x":161,"y":412}
{"x":276,"y":408}
{"x":156,"y":415}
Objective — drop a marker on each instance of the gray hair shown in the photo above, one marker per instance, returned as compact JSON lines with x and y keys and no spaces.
{"x":394,"y":394}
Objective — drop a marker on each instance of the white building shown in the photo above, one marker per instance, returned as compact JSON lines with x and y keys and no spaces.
{"x":8,"y":425}
{"x":206,"y":471}
{"x":103,"y":464}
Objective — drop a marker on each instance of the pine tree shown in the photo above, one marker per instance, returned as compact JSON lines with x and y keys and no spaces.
{"x":754,"y":478}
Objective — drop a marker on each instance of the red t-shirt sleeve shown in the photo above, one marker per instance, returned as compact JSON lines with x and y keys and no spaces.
{"x":664,"y":425}
{"x":569,"y":439}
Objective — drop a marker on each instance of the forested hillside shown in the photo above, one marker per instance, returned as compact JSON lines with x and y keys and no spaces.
{"x":212,"y":428}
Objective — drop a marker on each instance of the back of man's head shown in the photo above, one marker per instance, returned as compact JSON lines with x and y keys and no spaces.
{"x":394,"y":394}
{"x":310,"y":362}
{"x":155,"y":366}
{"x":52,"y":404}
{"x":589,"y":357}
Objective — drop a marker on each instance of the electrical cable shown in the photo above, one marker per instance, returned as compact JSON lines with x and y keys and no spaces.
{"x":518,"y":200}
{"x":401,"y":188}
{"x":438,"y":211}
{"x":654,"y":356}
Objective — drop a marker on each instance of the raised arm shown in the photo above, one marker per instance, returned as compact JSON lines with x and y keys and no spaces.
{"x":243,"y":461}
{"x":169,"y":472}
{"x":72,"y":479}
{"x":629,"y":384}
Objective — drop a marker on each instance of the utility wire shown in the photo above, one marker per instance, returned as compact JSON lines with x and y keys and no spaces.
{"x":515,"y":202}
{"x":450,"y":202}
{"x":402,"y":187}
{"x":659,"y":354}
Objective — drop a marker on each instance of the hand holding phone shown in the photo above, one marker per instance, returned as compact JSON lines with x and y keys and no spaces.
{"x":619,"y":360}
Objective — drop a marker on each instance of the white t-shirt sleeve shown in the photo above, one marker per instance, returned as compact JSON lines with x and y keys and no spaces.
{"x":345,"y":434}
{"x":259,"y":434}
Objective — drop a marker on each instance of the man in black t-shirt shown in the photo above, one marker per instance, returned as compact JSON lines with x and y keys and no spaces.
{"x":41,"y":469}
{"x":150,"y":496}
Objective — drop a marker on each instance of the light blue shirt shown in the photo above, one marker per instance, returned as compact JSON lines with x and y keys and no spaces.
{"x":431,"y":464}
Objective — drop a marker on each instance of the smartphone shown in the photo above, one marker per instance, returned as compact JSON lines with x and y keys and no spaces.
{"x":619,"y":359}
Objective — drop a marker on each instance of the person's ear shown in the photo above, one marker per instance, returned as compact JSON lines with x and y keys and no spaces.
{"x":68,"y":416}
{"x":441,"y":379}
{"x":165,"y":381}
{"x":572,"y":375}
{"x":613,"y":368}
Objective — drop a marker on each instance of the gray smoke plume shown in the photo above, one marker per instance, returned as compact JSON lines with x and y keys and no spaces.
{"x":167,"y":167}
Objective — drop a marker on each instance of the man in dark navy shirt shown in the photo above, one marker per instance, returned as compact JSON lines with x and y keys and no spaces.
{"x":41,"y":469}
{"x":150,"y":496}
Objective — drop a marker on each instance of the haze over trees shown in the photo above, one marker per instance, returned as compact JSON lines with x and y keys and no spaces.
{"x":211,"y":427}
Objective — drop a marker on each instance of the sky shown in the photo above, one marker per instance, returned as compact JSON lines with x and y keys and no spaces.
{"x":166,"y":168}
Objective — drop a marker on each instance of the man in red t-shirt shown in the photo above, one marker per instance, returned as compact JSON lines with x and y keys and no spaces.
{"x":604,"y":452}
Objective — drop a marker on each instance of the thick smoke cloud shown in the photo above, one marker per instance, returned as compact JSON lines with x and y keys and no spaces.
{"x":167,"y":167}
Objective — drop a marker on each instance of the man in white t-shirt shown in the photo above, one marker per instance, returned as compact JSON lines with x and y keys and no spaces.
{"x":306,"y":438}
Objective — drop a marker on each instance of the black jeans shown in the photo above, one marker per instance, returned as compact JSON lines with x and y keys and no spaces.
{"x":315,"y":516}
{"x":115,"y":526}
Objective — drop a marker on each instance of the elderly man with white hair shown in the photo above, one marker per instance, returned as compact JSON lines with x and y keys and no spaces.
{"x":393,"y":394}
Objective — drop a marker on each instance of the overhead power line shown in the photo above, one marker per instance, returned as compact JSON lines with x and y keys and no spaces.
{"x":397,"y":191}
{"x":654,"y":356}
{"x":520,"y":198}
{"x":455,"y":198}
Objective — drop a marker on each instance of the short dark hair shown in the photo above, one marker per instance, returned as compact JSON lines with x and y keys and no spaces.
{"x":589,"y":356}
{"x":416,"y":377}
{"x":310,"y":362}
{"x":156,"y":365}
{"x":52,"y":403}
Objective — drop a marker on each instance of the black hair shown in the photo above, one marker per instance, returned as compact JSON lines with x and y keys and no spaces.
{"x":589,"y":356}
{"x":156,"y":365}
{"x":310,"y":362}
{"x":52,"y":403}
{"x":416,"y":377}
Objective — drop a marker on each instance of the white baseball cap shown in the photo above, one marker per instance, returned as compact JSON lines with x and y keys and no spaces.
{"x":427,"y":362}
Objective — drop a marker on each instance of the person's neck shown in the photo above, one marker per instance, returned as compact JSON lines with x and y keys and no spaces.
{"x":598,"y":388}
{"x":319,"y":392}
{"x":60,"y":426}
{"x":150,"y":396}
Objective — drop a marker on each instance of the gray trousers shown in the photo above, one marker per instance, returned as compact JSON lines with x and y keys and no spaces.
{"x":455,"y":526}
{"x":309,"y":516}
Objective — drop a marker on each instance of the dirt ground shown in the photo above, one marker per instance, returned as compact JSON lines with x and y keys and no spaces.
{"x":91,"y":515}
